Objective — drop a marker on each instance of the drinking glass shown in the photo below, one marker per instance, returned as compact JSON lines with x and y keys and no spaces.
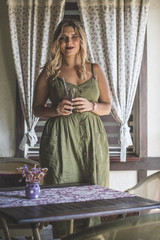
{"x":70,"y":93}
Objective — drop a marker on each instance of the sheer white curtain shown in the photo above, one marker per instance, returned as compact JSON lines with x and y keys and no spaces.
{"x":115,"y":31}
{"x":32,"y":23}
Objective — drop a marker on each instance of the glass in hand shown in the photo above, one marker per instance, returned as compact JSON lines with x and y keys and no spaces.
{"x":70,"y":93}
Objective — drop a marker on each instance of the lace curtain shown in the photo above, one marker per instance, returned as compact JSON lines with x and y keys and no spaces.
{"x":115,"y":31}
{"x":32,"y":24}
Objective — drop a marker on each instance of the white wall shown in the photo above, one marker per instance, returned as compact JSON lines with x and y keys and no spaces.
{"x":7,"y":88}
{"x":122,"y":180}
{"x":153,"y":42}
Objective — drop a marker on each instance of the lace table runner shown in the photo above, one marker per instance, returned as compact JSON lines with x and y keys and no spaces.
{"x":60,"y":195}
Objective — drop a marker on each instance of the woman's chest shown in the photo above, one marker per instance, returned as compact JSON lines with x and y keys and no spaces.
{"x":59,"y":89}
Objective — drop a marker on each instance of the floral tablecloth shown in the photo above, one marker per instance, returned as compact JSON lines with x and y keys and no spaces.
{"x":60,"y":195}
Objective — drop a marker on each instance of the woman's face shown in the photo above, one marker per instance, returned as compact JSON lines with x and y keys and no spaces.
{"x":69,"y":42}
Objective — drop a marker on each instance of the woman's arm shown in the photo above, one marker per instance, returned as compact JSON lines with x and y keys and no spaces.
{"x":41,"y":95}
{"x":104,"y":105}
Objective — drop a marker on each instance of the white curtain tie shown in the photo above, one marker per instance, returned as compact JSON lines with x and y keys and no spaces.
{"x":125,"y":140}
{"x":30,"y":138}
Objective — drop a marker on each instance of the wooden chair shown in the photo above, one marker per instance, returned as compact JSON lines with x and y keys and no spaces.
{"x":145,"y":227}
{"x":9,"y":178}
{"x":147,"y":188}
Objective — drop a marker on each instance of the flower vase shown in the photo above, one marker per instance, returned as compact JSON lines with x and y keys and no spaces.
{"x":32,"y":190}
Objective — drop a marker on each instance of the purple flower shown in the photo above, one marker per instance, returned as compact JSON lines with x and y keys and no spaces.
{"x":33,"y":175}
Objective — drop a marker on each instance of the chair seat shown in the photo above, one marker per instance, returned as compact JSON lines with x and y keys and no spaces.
{"x":145,"y":227}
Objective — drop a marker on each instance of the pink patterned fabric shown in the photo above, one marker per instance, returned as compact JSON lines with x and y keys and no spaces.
{"x":60,"y":195}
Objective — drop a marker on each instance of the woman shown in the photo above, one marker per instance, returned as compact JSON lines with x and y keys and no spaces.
{"x":74,"y":145}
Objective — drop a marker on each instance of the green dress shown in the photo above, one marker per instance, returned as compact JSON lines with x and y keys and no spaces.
{"x":74,"y":148}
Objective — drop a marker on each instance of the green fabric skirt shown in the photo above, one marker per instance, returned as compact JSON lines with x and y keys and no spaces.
{"x":74,"y":148}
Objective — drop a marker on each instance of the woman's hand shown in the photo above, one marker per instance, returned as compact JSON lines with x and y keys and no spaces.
{"x":64,"y":108}
{"x":82,"y":104}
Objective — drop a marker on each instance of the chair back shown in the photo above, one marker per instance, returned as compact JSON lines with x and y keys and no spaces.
{"x":9,"y":177}
{"x":147,"y":188}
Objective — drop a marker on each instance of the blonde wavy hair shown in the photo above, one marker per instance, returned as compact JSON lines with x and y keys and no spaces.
{"x":54,"y":66}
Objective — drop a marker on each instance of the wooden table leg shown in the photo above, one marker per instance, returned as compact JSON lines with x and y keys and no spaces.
{"x":71,"y":226}
{"x":5,"y":228}
{"x":36,"y":232}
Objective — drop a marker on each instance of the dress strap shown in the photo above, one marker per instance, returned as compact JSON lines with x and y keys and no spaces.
{"x":92,"y":70}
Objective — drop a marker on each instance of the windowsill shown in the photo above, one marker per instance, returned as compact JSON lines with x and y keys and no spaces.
{"x":130,"y":158}
{"x":35,"y":158}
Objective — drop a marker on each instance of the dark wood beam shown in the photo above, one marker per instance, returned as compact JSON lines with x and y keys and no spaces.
{"x":141,"y":174}
{"x":148,"y":163}
{"x":143,"y":105}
